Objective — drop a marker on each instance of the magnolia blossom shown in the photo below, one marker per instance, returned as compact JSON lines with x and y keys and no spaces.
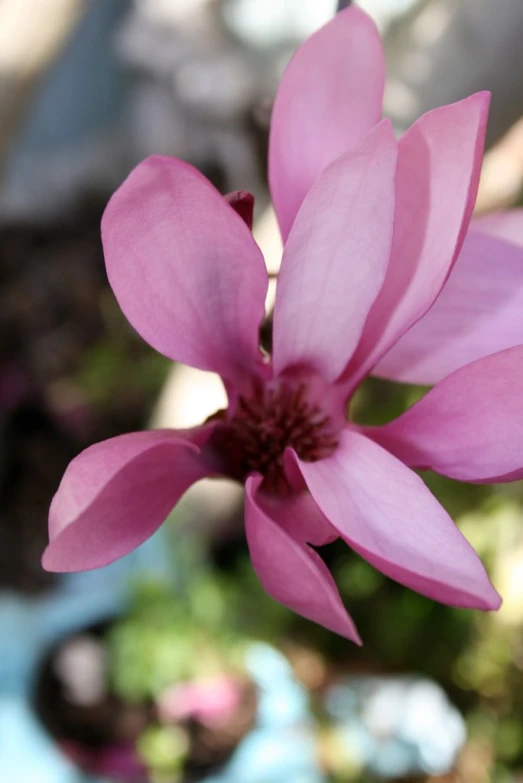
{"x":373,"y":228}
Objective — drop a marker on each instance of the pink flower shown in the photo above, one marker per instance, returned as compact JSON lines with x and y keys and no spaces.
{"x":372,"y":229}
{"x":210,"y":700}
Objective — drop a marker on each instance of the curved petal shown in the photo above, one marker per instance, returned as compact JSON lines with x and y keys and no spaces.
{"x":300,"y":517}
{"x":437,"y":179}
{"x":243,"y":204}
{"x":478,"y":312}
{"x":115,"y":494}
{"x":185,"y":269}
{"x":336,"y":258}
{"x":469,"y":426}
{"x":386,"y":513}
{"x":330,"y":96}
{"x":290,"y":571}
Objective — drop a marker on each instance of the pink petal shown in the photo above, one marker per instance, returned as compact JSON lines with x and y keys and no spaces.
{"x":243,"y":204}
{"x":469,"y":426}
{"x":115,"y":494}
{"x":329,"y":98}
{"x":336,"y":258}
{"x":386,"y":513}
{"x":478,"y":312}
{"x":290,"y":571}
{"x":300,"y":517}
{"x":185,"y":268}
{"x":437,"y":179}
{"x":504,"y":225}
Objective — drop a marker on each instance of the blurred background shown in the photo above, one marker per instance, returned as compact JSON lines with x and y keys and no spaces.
{"x":173,"y":666}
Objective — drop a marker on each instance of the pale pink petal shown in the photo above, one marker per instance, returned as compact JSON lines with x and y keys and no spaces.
{"x":243,"y":204}
{"x":469,"y":426}
{"x":478,"y":312}
{"x":300,"y":517}
{"x":329,"y":97}
{"x":185,"y":268}
{"x":386,"y":513}
{"x":290,"y":571}
{"x":506,"y":225}
{"x":336,"y":258}
{"x":437,"y":179}
{"x":115,"y":494}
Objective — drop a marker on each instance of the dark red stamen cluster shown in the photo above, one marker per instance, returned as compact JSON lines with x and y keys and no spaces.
{"x":267,"y":423}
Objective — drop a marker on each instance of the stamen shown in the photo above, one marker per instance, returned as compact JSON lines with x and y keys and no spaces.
{"x":268,"y":422}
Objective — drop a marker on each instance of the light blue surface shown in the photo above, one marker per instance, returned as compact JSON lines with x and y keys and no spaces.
{"x":397,"y":725}
{"x":62,"y":113}
{"x":28,"y":628}
{"x":69,"y":139}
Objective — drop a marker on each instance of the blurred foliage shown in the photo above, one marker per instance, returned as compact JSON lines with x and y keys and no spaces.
{"x":168,"y":639}
{"x":376,"y":401}
{"x":119,"y":363}
{"x":164,"y":749}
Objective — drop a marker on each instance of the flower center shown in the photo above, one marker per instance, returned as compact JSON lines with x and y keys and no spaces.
{"x":268,"y":422}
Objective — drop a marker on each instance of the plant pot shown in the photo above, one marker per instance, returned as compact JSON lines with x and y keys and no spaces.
{"x":279,"y":745}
